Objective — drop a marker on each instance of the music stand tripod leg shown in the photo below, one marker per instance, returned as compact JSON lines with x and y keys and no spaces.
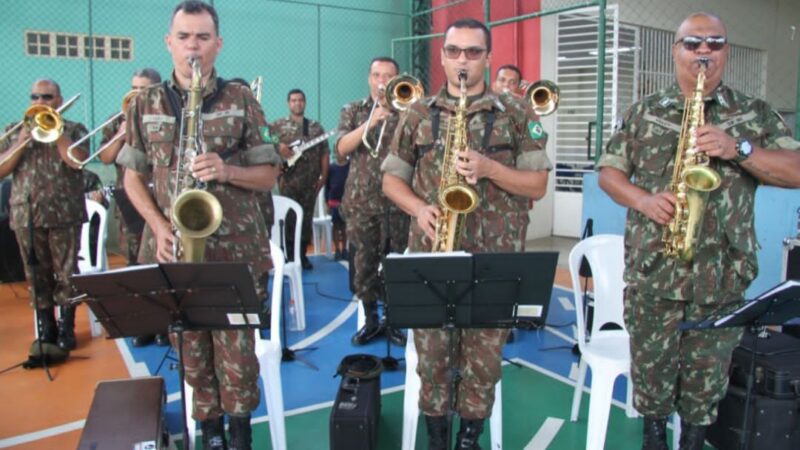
{"x":288,"y":354}
{"x":178,"y":329}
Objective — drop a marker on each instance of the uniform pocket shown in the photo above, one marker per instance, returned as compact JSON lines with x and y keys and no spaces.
{"x":161,"y":137}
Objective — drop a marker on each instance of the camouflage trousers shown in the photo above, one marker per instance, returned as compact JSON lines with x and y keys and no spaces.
{"x":221,"y":367}
{"x":367,"y":234}
{"x":478,"y":357}
{"x":129,"y":244}
{"x":56,"y":252}
{"x":306,"y":198}
{"x":674,"y":370}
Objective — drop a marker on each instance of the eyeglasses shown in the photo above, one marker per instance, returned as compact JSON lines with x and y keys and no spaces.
{"x":472,"y":53}
{"x":47,"y":97}
{"x":692,"y":43}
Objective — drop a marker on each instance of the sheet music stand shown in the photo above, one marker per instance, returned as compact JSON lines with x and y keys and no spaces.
{"x":181,"y":297}
{"x":776,"y":306}
{"x":460,"y":290}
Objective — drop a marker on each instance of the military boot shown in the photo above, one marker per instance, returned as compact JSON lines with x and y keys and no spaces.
{"x":66,"y":328}
{"x":46,"y":319}
{"x":241,"y":433}
{"x":371,"y":327}
{"x":396,"y":336}
{"x":655,"y":433}
{"x":213,"y":434}
{"x":437,"y":432}
{"x":467,"y":438}
{"x":692,"y":436}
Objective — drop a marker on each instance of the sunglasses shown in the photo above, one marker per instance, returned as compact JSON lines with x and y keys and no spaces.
{"x":692,"y":43}
{"x":472,"y":53}
{"x":47,"y":97}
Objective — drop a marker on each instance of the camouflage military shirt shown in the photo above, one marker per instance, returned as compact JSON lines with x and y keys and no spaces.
{"x":109,"y":132}
{"x":306,"y":171}
{"x":234,"y":127}
{"x":517,"y":140}
{"x":45,"y":185}
{"x":363,"y":194}
{"x":644,"y":146}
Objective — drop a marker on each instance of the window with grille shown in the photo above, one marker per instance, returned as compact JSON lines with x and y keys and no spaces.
{"x":76,"y":45}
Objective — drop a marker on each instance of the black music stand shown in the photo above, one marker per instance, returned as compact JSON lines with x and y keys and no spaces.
{"x":776,"y":306}
{"x":180,"y":297}
{"x":460,"y":290}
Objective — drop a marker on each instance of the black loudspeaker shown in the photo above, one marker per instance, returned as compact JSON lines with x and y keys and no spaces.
{"x":127,"y":414}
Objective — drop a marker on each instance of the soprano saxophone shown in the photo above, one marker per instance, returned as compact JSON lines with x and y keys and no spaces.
{"x":692,"y":178}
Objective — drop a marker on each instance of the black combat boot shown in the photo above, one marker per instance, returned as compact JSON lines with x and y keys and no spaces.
{"x":437,"y":432}
{"x":46,"y":318}
{"x":655,"y":433}
{"x":371,"y":327}
{"x":66,"y":328}
{"x":241,"y":433}
{"x":303,"y":258}
{"x":692,"y":436}
{"x":467,"y":438}
{"x":213,"y":434}
{"x":395,"y":336}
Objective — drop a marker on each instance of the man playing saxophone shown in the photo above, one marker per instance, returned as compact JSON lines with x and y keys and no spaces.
{"x":746,"y":144}
{"x":233,"y":162}
{"x":504,"y":162}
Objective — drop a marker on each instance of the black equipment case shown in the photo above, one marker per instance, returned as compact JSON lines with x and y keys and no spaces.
{"x":356,"y":410}
{"x":126,"y":414}
{"x":774,"y":413}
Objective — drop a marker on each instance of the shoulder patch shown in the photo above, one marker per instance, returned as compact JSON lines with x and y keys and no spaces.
{"x":265,"y":134}
{"x":535,"y":129}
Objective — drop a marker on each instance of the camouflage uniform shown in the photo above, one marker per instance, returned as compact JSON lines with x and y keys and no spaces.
{"x":498,"y":224}
{"x":364,"y":207}
{"x":46,"y":187}
{"x":299,"y":181}
{"x":220,"y":365}
{"x":128,"y":241}
{"x":671,"y":369}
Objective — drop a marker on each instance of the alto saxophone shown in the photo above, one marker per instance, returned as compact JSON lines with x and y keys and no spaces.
{"x":456,"y":198}
{"x":692,"y":178}
{"x":196,"y":213}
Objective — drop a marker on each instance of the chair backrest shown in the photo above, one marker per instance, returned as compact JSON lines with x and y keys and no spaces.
{"x":605,"y":254}
{"x":276,"y":297}
{"x":85,"y":259}
{"x":282,"y":206}
{"x":321,"y":208}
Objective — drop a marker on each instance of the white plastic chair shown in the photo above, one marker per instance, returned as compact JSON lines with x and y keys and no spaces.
{"x":268,"y":353}
{"x":322,"y":226}
{"x":84,"y":253}
{"x":411,"y":403}
{"x":607,"y":352}
{"x":293,"y":269}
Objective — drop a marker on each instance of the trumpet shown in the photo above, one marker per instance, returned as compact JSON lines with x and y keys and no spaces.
{"x":45,"y":123}
{"x":399,"y":94}
{"x":126,"y":100}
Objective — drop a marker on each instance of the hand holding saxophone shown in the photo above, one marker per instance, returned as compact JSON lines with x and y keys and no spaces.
{"x":473,"y":166}
{"x":716,"y":143}
{"x":658,"y":207}
{"x":427,"y":215}
{"x":209,"y":166}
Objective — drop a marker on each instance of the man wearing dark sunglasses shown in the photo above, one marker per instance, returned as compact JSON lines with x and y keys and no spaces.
{"x":748,"y":145}
{"x":506,"y":164}
{"x":47,"y":210}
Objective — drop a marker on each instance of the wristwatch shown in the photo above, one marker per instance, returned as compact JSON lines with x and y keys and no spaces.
{"x":743,"y":150}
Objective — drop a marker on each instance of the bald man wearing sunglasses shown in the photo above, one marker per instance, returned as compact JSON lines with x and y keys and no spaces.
{"x":748,"y":144}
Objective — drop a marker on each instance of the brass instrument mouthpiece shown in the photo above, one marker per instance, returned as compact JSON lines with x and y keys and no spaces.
{"x":462,"y":74}
{"x":703,"y":61}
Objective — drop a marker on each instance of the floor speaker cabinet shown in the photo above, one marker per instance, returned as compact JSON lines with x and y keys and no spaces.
{"x":355,"y":414}
{"x":127,"y":414}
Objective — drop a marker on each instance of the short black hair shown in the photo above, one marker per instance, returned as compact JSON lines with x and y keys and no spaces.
{"x":510,"y":67}
{"x":149,"y":73}
{"x":475,"y":25}
{"x":196,"y":7}
{"x":385,"y":59}
{"x":295,"y":91}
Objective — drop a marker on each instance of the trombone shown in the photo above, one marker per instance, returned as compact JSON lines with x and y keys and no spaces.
{"x":399,"y":94}
{"x":543,"y":96}
{"x":45,"y":123}
{"x":126,"y":100}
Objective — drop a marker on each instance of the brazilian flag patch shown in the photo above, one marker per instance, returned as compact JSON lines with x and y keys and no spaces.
{"x":535,"y":129}
{"x":265,"y":135}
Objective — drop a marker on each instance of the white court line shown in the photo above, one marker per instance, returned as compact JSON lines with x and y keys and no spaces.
{"x":328,"y":329}
{"x":560,"y":334}
{"x":566,"y":303}
{"x":135,"y":369}
{"x":546,"y":434}
{"x":573,"y":372}
{"x":41,"y":434}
